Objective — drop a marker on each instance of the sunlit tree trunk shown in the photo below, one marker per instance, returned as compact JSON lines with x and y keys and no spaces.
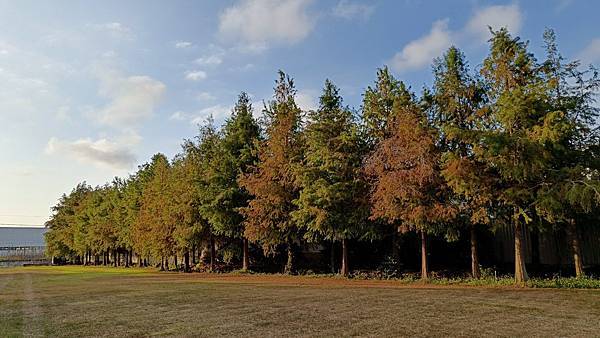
{"x":573,"y":237}
{"x":475,"y":270}
{"x":289,"y":266}
{"x":344,"y":271}
{"x":424,"y":267}
{"x":520,"y":271}
{"x":245,"y":256}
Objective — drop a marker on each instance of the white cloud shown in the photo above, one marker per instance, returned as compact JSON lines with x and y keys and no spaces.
{"x":132,"y":98}
{"x":183,"y":44}
{"x":307,"y":99}
{"x":496,"y":17}
{"x":179,"y":116}
{"x":209,"y":60}
{"x":195,"y":75}
{"x":100,"y":152}
{"x":591,"y":53}
{"x":218,"y":112}
{"x":421,"y":52}
{"x":115,"y":29}
{"x":350,"y":10}
{"x":257,"y":23}
{"x":205,"y":96}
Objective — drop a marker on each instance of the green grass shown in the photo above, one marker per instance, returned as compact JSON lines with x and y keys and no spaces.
{"x":94,"y":301}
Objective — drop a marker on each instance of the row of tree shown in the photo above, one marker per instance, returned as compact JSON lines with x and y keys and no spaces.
{"x":514,"y":144}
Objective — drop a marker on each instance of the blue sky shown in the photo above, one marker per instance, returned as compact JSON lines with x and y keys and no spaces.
{"x":89,"y":90}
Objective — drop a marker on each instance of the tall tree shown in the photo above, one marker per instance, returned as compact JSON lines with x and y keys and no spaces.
{"x":460,"y":115}
{"x":572,"y":186}
{"x":330,"y":203}
{"x":238,"y":153}
{"x":406,"y":181}
{"x":519,"y":148}
{"x":272,"y":182}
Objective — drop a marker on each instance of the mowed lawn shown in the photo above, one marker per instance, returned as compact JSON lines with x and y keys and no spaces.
{"x":87,"y":301}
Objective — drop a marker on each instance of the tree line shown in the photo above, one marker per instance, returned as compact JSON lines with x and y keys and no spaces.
{"x":513,"y":144}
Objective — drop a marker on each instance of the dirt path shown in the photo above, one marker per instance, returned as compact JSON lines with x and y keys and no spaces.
{"x":31,"y":310}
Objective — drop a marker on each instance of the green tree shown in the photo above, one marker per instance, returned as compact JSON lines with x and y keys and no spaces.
{"x":460,"y":114}
{"x":519,"y":148}
{"x":330,"y":204}
{"x":572,"y":185}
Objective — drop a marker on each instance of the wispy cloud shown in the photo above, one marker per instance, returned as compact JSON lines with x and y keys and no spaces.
{"x":591,"y":52}
{"x":420,"y":52}
{"x":100,"y":152}
{"x":132,"y":98}
{"x":183,"y":44}
{"x":195,"y":75}
{"x":352,"y":10}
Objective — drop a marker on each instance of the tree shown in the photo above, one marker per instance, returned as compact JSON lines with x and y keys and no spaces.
{"x":237,"y":153}
{"x":378,"y":104}
{"x":155,"y":214}
{"x":572,"y":186}
{"x":406,"y":182}
{"x":330,"y":203}
{"x":519,"y":148}
{"x":460,"y":115}
{"x":272,"y":182}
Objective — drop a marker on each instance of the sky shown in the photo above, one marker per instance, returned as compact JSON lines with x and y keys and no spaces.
{"x":91,"y":89}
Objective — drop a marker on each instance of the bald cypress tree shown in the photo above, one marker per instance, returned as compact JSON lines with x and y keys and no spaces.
{"x":330,"y":204}
{"x":519,"y":148}
{"x":460,"y":114}
{"x":272,"y":181}
{"x":406,"y":182}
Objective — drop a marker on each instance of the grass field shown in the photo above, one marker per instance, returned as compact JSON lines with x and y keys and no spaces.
{"x":87,"y":301}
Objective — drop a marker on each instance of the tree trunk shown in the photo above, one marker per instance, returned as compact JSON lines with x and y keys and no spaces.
{"x":186,"y":261}
{"x":115,"y":258}
{"x":475,"y":270}
{"x":332,"y":258}
{"x":212,"y":253}
{"x":245,"y":255}
{"x":520,"y":270}
{"x":424,"y":267}
{"x":175,"y":261}
{"x":344,"y":269}
{"x":167,"y":263}
{"x":126,"y":258}
{"x":162,"y":264}
{"x":575,"y":247}
{"x":289,"y":266}
{"x":194,"y":262}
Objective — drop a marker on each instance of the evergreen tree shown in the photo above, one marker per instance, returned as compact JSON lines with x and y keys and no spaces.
{"x":330,"y":204}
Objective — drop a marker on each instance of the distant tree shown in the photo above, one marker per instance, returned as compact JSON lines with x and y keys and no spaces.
{"x":155,"y":213}
{"x":272,"y":182}
{"x":406,"y":182}
{"x":330,"y":204}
